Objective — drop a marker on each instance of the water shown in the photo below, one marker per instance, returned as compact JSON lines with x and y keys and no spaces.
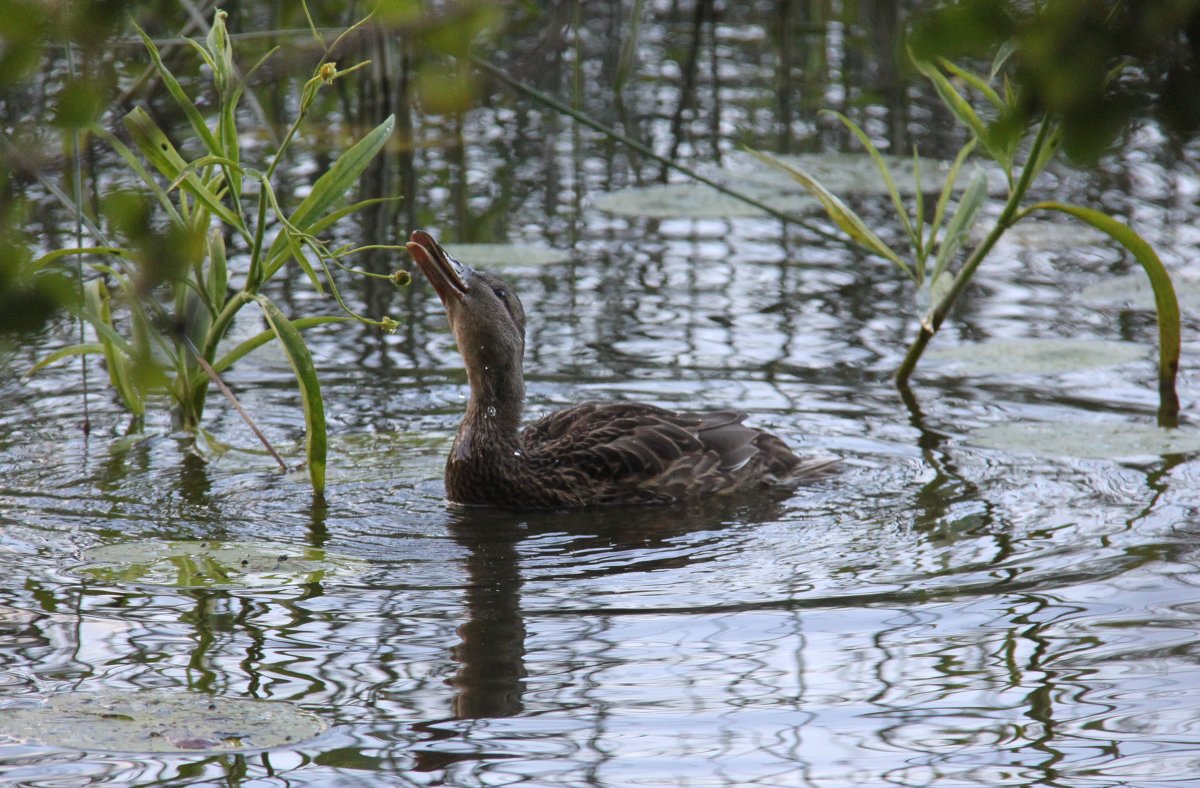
{"x":937,"y":613}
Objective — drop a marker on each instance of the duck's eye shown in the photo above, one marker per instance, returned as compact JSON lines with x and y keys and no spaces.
{"x":501,"y":293}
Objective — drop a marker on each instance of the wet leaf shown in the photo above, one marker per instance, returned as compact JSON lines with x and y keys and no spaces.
{"x":158,"y":720}
{"x":212,"y":564}
{"x":310,"y":390}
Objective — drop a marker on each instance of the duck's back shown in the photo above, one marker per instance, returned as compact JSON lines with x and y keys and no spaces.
{"x":615,"y":453}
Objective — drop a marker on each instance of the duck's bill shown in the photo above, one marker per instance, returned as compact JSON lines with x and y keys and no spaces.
{"x":443,"y":271}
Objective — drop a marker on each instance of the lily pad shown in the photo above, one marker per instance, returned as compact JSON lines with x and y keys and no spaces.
{"x":152,"y":720}
{"x":1040,"y":356}
{"x":1087,"y":439}
{"x":212,"y":564}
{"x":1134,"y":290}
{"x":500,"y":255}
{"x":698,"y":201}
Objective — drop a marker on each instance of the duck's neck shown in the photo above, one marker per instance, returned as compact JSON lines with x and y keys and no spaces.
{"x":493,"y":418}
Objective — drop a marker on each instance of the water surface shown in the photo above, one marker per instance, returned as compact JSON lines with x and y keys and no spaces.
{"x":938,"y":613}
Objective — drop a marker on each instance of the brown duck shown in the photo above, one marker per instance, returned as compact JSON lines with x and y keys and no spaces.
{"x":593,"y":454}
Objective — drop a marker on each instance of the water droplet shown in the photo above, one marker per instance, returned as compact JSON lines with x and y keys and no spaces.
{"x":491,"y":411}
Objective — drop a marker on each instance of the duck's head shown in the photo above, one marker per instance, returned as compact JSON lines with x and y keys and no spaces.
{"x":485,"y":314}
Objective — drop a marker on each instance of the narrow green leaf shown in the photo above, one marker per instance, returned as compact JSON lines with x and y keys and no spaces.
{"x":181,"y":98}
{"x":975,"y":81}
{"x":81,"y":349}
{"x":939,"y":212}
{"x":310,"y":389}
{"x":258,"y":340}
{"x":297,"y":248}
{"x":330,"y":187}
{"x":847,"y":220}
{"x":959,"y":227}
{"x":136,"y":165}
{"x":58,"y":254}
{"x":217,"y":278}
{"x":116,"y":353}
{"x":884,"y":172}
{"x":1165,"y":302}
{"x":158,"y":149}
{"x":963,"y":110}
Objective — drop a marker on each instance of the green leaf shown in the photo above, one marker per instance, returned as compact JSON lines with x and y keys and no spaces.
{"x":330,"y":187}
{"x":181,"y":98}
{"x":972,"y":200}
{"x":258,"y":340}
{"x":157,"y":148}
{"x":884,"y":172}
{"x":963,"y":110}
{"x":81,"y":349}
{"x":1165,"y":302}
{"x":310,"y":389}
{"x":116,"y":351}
{"x":217,"y":279}
{"x":135,"y":164}
{"x":939,"y":211}
{"x":847,"y":220}
{"x":975,"y":81}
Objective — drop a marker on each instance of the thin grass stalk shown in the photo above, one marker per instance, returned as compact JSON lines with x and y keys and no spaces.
{"x":942,"y":308}
{"x":646,"y":151}
{"x":77,"y":185}
{"x":233,"y":400}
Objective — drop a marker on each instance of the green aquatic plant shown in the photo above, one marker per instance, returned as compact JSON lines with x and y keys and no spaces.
{"x":168,"y":289}
{"x":934,"y":261}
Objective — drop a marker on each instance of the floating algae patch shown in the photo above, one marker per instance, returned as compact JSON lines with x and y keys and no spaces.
{"x":1039,"y":356}
{"x":151,"y":720}
{"x":698,"y":201}
{"x":212,"y":564}
{"x":500,"y":255}
{"x":1087,"y":439}
{"x":1134,"y":290}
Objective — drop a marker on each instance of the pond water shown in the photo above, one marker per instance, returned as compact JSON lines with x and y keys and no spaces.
{"x":940,"y":612}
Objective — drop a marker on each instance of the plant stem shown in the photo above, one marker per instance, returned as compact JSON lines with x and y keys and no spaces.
{"x":212,"y":374}
{"x":1008,"y":216}
{"x":629,"y":142}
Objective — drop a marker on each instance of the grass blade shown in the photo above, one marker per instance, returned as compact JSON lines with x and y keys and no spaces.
{"x":310,"y":390}
{"x":847,"y":220}
{"x":157,"y":148}
{"x":886,"y":173}
{"x":181,"y":98}
{"x":969,"y":205}
{"x":81,"y":349}
{"x":1165,"y":302}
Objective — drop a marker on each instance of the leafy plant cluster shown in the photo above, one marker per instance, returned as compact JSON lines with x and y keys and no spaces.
{"x":1022,"y":153}
{"x":166,"y":299}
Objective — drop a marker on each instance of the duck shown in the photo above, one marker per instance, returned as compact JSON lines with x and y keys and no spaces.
{"x":594,"y":453}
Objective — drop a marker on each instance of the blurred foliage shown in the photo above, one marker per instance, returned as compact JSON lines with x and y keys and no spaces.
{"x":1097,"y":66}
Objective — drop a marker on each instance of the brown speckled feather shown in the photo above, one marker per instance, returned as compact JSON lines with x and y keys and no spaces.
{"x":593,"y":454}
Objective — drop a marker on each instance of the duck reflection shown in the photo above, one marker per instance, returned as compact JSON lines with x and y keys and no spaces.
{"x":490,"y":656}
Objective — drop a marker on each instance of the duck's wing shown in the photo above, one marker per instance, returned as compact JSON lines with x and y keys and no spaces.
{"x":651,"y":453}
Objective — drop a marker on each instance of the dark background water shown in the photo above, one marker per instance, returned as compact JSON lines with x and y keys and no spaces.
{"x":938,"y":613}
